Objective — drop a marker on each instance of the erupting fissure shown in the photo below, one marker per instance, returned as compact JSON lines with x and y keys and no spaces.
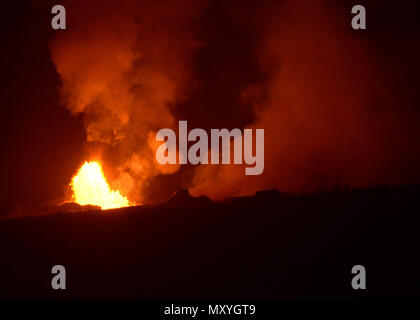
{"x":90,"y":187}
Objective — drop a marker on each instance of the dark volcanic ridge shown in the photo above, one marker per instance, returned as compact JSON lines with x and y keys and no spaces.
{"x":266,"y":246}
{"x":180,"y":199}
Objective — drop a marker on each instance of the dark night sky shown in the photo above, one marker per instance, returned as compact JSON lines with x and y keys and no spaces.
{"x":38,"y":134}
{"x":43,"y":144}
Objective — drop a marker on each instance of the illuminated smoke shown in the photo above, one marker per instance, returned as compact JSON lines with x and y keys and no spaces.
{"x":122,"y":66}
{"x":319,"y":106}
{"x":129,"y":69}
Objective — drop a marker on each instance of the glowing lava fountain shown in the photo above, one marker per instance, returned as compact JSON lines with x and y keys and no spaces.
{"x":90,"y":187}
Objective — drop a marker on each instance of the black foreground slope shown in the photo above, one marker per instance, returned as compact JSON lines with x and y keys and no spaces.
{"x":268,"y":246}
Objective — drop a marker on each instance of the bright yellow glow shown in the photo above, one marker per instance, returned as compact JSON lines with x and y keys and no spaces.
{"x":90,"y":187}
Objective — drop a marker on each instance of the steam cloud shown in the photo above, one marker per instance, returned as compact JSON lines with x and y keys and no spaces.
{"x":122,"y":67}
{"x":329,"y":116}
{"x":128,"y":69}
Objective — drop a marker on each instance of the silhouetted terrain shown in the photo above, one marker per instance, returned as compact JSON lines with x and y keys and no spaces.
{"x":268,"y":246}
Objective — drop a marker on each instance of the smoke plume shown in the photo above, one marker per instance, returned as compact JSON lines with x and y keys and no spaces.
{"x":328,"y":114}
{"x":294,"y":68}
{"x":122,"y":68}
